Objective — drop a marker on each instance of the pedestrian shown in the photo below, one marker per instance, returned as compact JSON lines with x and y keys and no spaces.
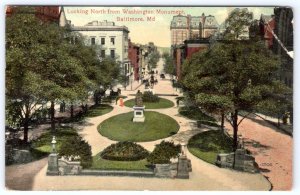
{"x":121,"y":102}
{"x":177,"y":102}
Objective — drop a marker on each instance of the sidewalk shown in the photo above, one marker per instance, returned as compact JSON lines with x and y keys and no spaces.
{"x":288,"y":128}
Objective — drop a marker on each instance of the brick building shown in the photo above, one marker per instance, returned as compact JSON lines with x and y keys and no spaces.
{"x":186,"y":50}
{"x":45,"y":13}
{"x":134,"y":58}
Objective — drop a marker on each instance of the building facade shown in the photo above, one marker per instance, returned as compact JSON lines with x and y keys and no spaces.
{"x":110,"y":40}
{"x":186,"y":51}
{"x":134,"y":56}
{"x":192,"y":27}
{"x":44,"y":13}
{"x":284,"y":31}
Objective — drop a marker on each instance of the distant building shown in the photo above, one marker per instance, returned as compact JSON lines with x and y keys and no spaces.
{"x":134,"y":55}
{"x":45,"y":13}
{"x":192,"y":27}
{"x":111,"y":40}
{"x":267,"y":25}
{"x":186,"y":50}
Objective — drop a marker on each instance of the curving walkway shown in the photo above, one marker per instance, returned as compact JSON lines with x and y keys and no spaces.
{"x":203,"y":177}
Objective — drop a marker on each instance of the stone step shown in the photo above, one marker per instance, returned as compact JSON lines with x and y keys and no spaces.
{"x":117,"y":173}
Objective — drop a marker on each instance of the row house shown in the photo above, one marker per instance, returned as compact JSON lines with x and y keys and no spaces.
{"x":138,"y":55}
{"x":134,"y":56}
{"x":186,"y":51}
{"x":44,"y":13}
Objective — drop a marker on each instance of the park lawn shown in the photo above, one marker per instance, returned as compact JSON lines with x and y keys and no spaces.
{"x":99,"y":110}
{"x":163,"y":103}
{"x":195,"y":113}
{"x":209,"y":144}
{"x":103,"y":164}
{"x":121,"y":127}
{"x":43,"y":143}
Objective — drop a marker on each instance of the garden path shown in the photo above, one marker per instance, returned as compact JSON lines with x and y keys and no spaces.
{"x":203,"y":177}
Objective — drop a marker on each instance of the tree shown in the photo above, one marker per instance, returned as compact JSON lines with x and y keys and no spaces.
{"x":238,"y":23}
{"x":233,"y":76}
{"x":40,"y":66}
{"x":153,"y":59}
{"x":23,"y":85}
{"x":169,"y":66}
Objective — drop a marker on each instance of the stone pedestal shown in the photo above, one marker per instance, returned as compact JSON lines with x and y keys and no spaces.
{"x":138,"y":113}
{"x":53,"y":164}
{"x":183,"y":167}
{"x":162,"y":170}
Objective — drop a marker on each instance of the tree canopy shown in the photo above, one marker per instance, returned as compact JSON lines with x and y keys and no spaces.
{"x":232,"y":76}
{"x":45,"y":62}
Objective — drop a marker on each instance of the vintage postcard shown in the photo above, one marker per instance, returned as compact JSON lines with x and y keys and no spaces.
{"x":149,"y":98}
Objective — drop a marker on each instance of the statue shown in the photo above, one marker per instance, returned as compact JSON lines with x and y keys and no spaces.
{"x":139,"y":99}
{"x":138,"y":108}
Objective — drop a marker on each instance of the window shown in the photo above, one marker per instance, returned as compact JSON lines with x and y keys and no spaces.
{"x":103,"y":53}
{"x":93,"y":41}
{"x":112,"y":40}
{"x":102,"y":40}
{"x":112,"y":53}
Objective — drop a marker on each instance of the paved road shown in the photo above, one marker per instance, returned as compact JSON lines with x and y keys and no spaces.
{"x":273,"y":150}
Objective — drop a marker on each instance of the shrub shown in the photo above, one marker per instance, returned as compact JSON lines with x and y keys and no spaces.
{"x":148,"y":96}
{"x":76,"y":146}
{"x":124,"y":151}
{"x":163,"y":152}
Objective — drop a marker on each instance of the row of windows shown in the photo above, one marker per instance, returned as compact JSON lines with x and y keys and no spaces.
{"x":112,"y":53}
{"x":102,"y":41}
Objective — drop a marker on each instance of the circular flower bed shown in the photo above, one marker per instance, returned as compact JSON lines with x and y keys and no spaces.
{"x":124,"y":151}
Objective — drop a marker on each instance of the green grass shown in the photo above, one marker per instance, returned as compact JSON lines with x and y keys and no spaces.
{"x":43,"y":143}
{"x":98,"y":110}
{"x":195,"y":113}
{"x":99,"y":163}
{"x":121,"y":127}
{"x":209,"y":144}
{"x":163,"y":103}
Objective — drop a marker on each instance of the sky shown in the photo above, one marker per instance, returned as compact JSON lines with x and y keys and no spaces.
{"x":157,"y":31}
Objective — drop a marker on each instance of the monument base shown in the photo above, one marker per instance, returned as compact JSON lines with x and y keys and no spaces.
{"x":138,"y":119}
{"x":53,"y":164}
{"x":138,"y":115}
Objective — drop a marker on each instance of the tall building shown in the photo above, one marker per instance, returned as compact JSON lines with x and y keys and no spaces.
{"x":192,"y":27}
{"x":110,"y":39}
